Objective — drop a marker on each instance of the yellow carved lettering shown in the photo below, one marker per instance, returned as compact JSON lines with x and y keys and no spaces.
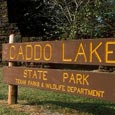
{"x":77,"y":78}
{"x":47,"y":57}
{"x":25,"y":73}
{"x":20,"y":53}
{"x":65,"y":76}
{"x":81,"y":52}
{"x":29,"y":50}
{"x":109,"y":52}
{"x":12,"y":50}
{"x":63,"y":54}
{"x":34,"y":74}
{"x":72,"y":79}
{"x":45,"y":75}
{"x":37,"y":50}
{"x":94,"y":51}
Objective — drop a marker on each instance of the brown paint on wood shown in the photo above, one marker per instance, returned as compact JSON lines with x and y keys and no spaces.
{"x":98,"y":85}
{"x":86,"y":51}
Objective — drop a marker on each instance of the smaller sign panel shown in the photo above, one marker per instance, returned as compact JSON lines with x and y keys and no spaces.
{"x":83,"y":83}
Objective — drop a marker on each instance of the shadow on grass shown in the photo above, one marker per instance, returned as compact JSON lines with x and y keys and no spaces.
{"x":91,"y":108}
{"x":2,"y":97}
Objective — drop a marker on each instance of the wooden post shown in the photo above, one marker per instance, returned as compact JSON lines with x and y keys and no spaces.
{"x":13,"y":89}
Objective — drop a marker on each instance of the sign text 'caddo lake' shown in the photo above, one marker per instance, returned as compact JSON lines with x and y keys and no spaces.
{"x":93,"y":52}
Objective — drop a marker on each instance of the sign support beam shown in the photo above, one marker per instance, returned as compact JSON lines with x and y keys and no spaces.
{"x":12,"y":89}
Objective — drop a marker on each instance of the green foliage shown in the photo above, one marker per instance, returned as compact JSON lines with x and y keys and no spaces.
{"x":77,"y":19}
{"x":64,"y":19}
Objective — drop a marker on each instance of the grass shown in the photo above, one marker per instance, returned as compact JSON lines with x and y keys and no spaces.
{"x":38,"y":101}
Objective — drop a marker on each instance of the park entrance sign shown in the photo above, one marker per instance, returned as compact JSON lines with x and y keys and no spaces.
{"x":89,"y":84}
{"x":91,"y":52}
{"x":92,"y":84}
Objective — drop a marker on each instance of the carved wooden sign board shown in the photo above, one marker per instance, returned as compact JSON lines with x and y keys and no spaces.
{"x":98,"y":85}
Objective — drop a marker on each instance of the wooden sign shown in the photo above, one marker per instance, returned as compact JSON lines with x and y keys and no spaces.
{"x":84,"y":83}
{"x":86,"y":51}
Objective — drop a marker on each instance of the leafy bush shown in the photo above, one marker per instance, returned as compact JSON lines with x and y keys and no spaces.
{"x":64,"y":19}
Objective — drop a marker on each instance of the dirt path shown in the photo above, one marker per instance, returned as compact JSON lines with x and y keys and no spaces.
{"x":23,"y":106}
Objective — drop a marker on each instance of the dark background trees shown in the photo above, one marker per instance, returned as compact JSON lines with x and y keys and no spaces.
{"x":63,"y":19}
